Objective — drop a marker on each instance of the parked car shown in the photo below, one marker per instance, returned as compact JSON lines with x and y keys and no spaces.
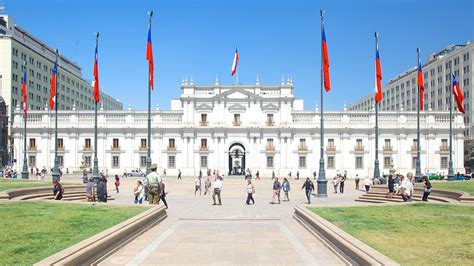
{"x":134,"y":173}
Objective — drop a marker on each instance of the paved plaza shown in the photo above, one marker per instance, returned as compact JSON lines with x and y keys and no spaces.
{"x":196,"y":232}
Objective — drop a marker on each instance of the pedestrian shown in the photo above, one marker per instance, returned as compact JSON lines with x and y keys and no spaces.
{"x":405,"y":188}
{"x":314,"y":175}
{"x":298,"y":175}
{"x":146,"y":187}
{"x":163,"y":193}
{"x":257,"y":175}
{"x":341,"y":183}
{"x":426,"y":188}
{"x":367,"y":183}
{"x":58,"y":190}
{"x":179,"y":174}
{"x":357,"y":179}
{"x":153,"y":185}
{"x":117,"y":183}
{"x":286,"y":188}
{"x":200,"y":173}
{"x":90,"y":195}
{"x":309,"y":187}
{"x":273,"y":175}
{"x":217,"y":191}
{"x":139,"y":192}
{"x":102,"y":189}
{"x":276,"y":190}
{"x":391,"y":186}
{"x":85,"y":178}
{"x":207,"y":185}
{"x":164,"y":172}
{"x":197,"y":185}
{"x":250,"y":189}
{"x":335,"y":183}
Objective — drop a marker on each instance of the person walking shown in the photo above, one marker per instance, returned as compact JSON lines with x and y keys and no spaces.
{"x":217,"y":191}
{"x":102,"y":189}
{"x":309,"y":187}
{"x":207,"y":186}
{"x":197,"y":185}
{"x":367,"y":184}
{"x":335,"y":183}
{"x":357,"y":180}
{"x":273,"y":175}
{"x":314,"y":175}
{"x":58,"y":190}
{"x":139,"y":192}
{"x":117,"y":183}
{"x":391,"y":186}
{"x":405,"y":188}
{"x":250,"y":189}
{"x":257,"y":175}
{"x":341,"y":183}
{"x":426,"y":188}
{"x":298,"y":175}
{"x":163,"y":193}
{"x":154,"y":185}
{"x":286,"y":188}
{"x":276,"y":190}
{"x":179,"y":174}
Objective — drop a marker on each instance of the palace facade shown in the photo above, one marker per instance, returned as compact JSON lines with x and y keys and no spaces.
{"x":231,"y":127}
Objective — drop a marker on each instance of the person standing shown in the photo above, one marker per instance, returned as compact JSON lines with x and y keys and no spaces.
{"x":102,"y":189}
{"x":276,"y":190}
{"x":286,"y":188}
{"x":367,"y":183}
{"x":154,"y":185}
{"x":314,"y":175}
{"x":257,"y":175}
{"x":357,"y":180}
{"x":309,"y":188}
{"x":405,"y":188}
{"x":341,"y":183}
{"x":335,"y":182}
{"x":298,"y":175}
{"x":217,"y":191}
{"x":197,"y":185}
{"x":146,"y":187}
{"x":207,"y":185}
{"x":90,"y":190}
{"x":139,"y":191}
{"x":163,"y":193}
{"x":250,"y":191}
{"x":273,"y":175}
{"x":179,"y":174}
{"x":58,"y":190}
{"x":426,"y":188}
{"x":391,"y":186}
{"x":117,"y":183}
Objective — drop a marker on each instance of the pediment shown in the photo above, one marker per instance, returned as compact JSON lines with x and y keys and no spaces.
{"x":237,"y":93}
{"x":270,"y":107}
{"x":203,"y":107}
{"x":237,"y":107}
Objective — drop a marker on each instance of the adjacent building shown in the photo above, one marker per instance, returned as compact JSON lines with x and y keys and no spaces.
{"x":235,"y":127}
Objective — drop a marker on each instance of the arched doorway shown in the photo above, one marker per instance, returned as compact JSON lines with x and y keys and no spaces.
{"x":236,"y":159}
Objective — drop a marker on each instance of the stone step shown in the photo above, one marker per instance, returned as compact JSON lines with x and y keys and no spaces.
{"x":369,"y":201}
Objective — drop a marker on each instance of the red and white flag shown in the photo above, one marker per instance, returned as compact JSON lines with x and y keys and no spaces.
{"x":236,"y":61}
{"x":458,"y":95}
{"x":378,"y":76}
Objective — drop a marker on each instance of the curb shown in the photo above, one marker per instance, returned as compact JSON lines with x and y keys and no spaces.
{"x":97,"y":247}
{"x":349,"y":247}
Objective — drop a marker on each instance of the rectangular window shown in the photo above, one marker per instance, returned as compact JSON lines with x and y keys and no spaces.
{"x":60,"y":144}
{"x":87,"y":143}
{"x":269,"y":161}
{"x":171,"y":143}
{"x":172,"y":161}
{"x":236,"y":119}
{"x":115,"y":161}
{"x":61,"y":160}
{"x":331,"y":162}
{"x":269,"y":119}
{"x":115,"y":143}
{"x":331,"y":143}
{"x":32,"y":143}
{"x":203,"y":161}
{"x":32,"y":160}
{"x":302,"y":162}
{"x":142,"y":161}
{"x":444,"y":162}
{"x":143,"y":143}
{"x":204,"y":143}
{"x":359,"y":163}
{"x":87,"y":161}
{"x":387,"y":162}
{"x":444,"y":143}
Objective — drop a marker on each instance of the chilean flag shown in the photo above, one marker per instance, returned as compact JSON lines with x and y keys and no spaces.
{"x":325,"y":58}
{"x":421,"y":84}
{"x":236,"y":61}
{"x":149,"y":57}
{"x":52,"y":97}
{"x":96,"y":75}
{"x":23,"y":92}
{"x":378,"y":76}
{"x":458,"y":95}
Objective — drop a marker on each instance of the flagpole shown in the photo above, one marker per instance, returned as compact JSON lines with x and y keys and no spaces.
{"x":24,"y":171}
{"x":95,"y":169}
{"x":376,"y":163}
{"x":148,"y":152}
{"x":55,"y":174}
{"x":322,"y":181}
{"x":450,"y":166}
{"x":418,"y":144}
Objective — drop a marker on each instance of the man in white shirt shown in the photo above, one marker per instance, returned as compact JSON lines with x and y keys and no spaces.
{"x":406,"y":187}
{"x":217,"y":191}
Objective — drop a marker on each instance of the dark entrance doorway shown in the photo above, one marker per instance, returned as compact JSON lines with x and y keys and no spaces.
{"x":236,"y":159}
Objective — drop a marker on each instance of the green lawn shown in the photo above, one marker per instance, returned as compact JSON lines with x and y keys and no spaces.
{"x":466,"y":186}
{"x":32,"y":231}
{"x":6,"y":184}
{"x":411,"y":234}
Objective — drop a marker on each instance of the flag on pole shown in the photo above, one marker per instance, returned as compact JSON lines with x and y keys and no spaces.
{"x":96,"y":75}
{"x":421,"y":84}
{"x":236,"y":61}
{"x":458,"y":95}
{"x":23,"y":92}
{"x":149,"y":57}
{"x":378,"y":76}
{"x":52,"y":97}
{"x":325,"y":57}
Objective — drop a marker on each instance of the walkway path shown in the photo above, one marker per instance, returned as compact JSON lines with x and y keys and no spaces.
{"x":196,"y":232}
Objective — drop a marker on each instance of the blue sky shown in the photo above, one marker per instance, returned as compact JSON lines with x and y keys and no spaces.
{"x":274,"y":38}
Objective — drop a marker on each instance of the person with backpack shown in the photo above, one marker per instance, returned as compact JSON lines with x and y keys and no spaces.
{"x":309,"y":188}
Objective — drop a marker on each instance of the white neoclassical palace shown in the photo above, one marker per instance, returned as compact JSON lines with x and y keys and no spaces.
{"x":232,"y":127}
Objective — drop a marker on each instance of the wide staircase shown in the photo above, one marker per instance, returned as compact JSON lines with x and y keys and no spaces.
{"x":379,"y":194}
{"x":75,"y":193}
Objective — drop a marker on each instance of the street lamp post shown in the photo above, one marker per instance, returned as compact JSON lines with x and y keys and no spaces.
{"x":148,"y":151}
{"x":55,"y":174}
{"x":418,"y":144}
{"x":95,"y":169}
{"x":24,"y":171}
{"x":450,"y":165}
{"x":376,"y":163}
{"x":322,"y":181}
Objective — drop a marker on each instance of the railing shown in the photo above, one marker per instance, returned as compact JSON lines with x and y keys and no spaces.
{"x":203,"y":148}
{"x":142,"y":148}
{"x":60,"y":148}
{"x":302,"y":148}
{"x":171,"y":148}
{"x":331,"y":148}
{"x":444,"y":148}
{"x":115,"y":148}
{"x":204,"y":123}
{"x":31,"y":148}
{"x":87,"y":148}
{"x":236,"y":123}
{"x":270,"y":148}
{"x":387,"y":148}
{"x":359,"y":148}
{"x":270,"y":123}
{"x":414,"y":148}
